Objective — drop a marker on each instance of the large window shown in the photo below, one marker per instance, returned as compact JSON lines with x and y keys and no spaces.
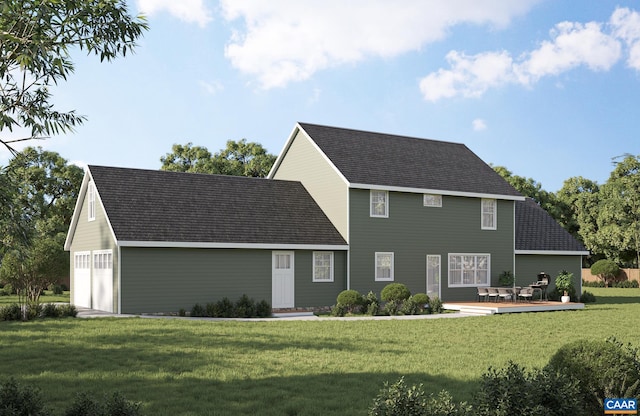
{"x":489,"y":214}
{"x":91,"y":202}
{"x":323,"y":266}
{"x":469,"y":270}
{"x":379,"y":203}
{"x":384,"y":267}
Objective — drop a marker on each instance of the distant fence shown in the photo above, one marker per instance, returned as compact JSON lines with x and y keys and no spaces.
{"x":625,"y":274}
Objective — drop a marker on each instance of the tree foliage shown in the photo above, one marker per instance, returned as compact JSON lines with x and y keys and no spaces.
{"x":239,"y":158}
{"x":36,"y":37}
{"x":606,"y":270}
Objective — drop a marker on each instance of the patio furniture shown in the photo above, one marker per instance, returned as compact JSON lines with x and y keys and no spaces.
{"x":493,"y":294}
{"x":505,"y":294}
{"x":483,"y":293}
{"x":526,"y":293}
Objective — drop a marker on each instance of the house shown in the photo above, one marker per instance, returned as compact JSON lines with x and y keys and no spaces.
{"x":340,"y":209}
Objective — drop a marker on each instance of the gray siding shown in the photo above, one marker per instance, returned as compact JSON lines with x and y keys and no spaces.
{"x":168,"y":279}
{"x":91,"y":236}
{"x":304,"y":163}
{"x":413,"y":231}
{"x":529,"y":265}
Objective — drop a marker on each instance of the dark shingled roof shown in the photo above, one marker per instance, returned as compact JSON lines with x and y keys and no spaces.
{"x":388,"y":160}
{"x":536,"y":230}
{"x":160,"y":206}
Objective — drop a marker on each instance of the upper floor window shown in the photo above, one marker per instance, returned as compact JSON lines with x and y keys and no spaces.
{"x":91,"y":205}
{"x":384,"y":266}
{"x":489,"y":214}
{"x":469,"y":269}
{"x":430,"y":200}
{"x":323,"y":266}
{"x":379,"y":206}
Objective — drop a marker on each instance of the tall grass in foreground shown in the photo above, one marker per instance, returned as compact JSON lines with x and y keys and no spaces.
{"x":325,"y":367}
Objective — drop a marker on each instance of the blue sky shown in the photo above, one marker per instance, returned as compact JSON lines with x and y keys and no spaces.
{"x":549,"y":89}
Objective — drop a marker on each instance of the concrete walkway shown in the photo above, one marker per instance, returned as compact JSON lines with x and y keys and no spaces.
{"x":303,"y":316}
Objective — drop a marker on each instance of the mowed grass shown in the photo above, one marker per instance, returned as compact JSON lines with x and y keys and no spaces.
{"x":48,"y":297}
{"x":323,"y":367}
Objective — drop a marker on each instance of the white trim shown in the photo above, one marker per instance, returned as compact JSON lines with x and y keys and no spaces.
{"x":553,"y":252}
{"x":265,"y":246}
{"x":434,"y":191}
{"x":298,"y":128}
{"x":386,"y":204}
{"x":384,"y":279}
{"x":331,"y":267}
{"x":494,"y":213}
{"x":439,"y":273}
{"x":91,"y":201}
{"x":438,"y":203}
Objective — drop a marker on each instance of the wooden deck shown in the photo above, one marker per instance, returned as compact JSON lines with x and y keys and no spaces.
{"x":490,"y":308}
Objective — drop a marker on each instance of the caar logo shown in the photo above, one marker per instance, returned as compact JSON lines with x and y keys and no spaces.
{"x":620,"y":407}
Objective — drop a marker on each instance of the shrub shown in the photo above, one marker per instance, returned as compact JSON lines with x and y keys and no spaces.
{"x":410,"y":306}
{"x":606,"y":270}
{"x":263,"y":309}
{"x":371,"y":305}
{"x":506,"y":278}
{"x":8,"y":289}
{"x":198,"y":310}
{"x":422,"y":299}
{"x":67,"y":310}
{"x":182,"y":312}
{"x":395,"y":292}
{"x":515,"y":391}
{"x":350,"y":299}
{"x":603,"y":369}
{"x":56,"y":289}
{"x":224,"y":308}
{"x":49,"y":310}
{"x":626,"y":284}
{"x":338,"y":310}
{"x":11,"y":312}
{"x":115,"y":405}
{"x":587,"y":297}
{"x":435,"y":305}
{"x":563,"y":282}
{"x":245,"y":307}
{"x":596,"y":283}
{"x":18,"y":400}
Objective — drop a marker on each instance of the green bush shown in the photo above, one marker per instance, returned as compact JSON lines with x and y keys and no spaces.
{"x":422,"y":299}
{"x":351,"y":300}
{"x":602,"y":369}
{"x":182,"y":312}
{"x":11,"y":312}
{"x":338,"y":310}
{"x":395,"y":292}
{"x":435,"y":305}
{"x":115,"y":405}
{"x":198,"y":311}
{"x":8,"y":289}
{"x":597,"y":283}
{"x":49,"y":310}
{"x":210,"y":310}
{"x":563,"y":282}
{"x":224,"y":308}
{"x":245,"y":307}
{"x":587,"y":297}
{"x":371,"y":305}
{"x":56,"y":289}
{"x":410,"y":306}
{"x":626,"y":284}
{"x":263,"y":309}
{"x":67,"y":310}
{"x":398,"y":399}
{"x":18,"y":400}
{"x":515,"y":391}
{"x":605,"y":269}
{"x":506,"y":278}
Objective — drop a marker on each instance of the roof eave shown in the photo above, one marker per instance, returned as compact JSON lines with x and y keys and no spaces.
{"x":435,"y":191}
{"x":553,"y":252}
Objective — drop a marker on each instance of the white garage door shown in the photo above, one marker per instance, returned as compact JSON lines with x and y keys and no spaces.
{"x":102,"y":287}
{"x":82,"y":279}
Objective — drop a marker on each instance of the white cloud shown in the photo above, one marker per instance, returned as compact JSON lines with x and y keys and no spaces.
{"x":211,"y":88}
{"x":190,"y":11}
{"x":572,"y":44}
{"x":284,"y":41}
{"x":479,"y":124}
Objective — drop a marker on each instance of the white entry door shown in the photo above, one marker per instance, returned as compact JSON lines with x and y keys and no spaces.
{"x":282,"y":280}
{"x":102,"y":282}
{"x":433,"y":275}
{"x":81,"y":290}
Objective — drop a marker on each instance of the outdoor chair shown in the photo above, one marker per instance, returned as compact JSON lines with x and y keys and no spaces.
{"x":483,"y":293}
{"x":505,"y":294}
{"x":493,"y":293}
{"x":526,"y":293}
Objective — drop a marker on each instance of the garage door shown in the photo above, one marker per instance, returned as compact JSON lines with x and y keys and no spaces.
{"x":82,"y":279}
{"x":102,"y":282}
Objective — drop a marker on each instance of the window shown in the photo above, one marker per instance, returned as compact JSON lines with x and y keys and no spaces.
{"x":379,"y":203}
{"x":469,"y":270}
{"x":82,"y":260}
{"x":282,"y":261}
{"x":102,"y":260}
{"x":92,"y":202}
{"x":323,"y":266}
{"x":489,"y":214}
{"x":430,"y":200}
{"x":384,"y":267}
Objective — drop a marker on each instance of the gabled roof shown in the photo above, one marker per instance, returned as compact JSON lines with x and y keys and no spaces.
{"x":169,"y":208}
{"x":537,"y":231}
{"x":385,"y":160}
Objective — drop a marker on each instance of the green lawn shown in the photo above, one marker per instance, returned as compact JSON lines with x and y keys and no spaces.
{"x":48,"y":297}
{"x":324,"y":367}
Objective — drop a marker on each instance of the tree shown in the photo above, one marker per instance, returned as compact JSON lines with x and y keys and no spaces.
{"x":606,"y":270}
{"x":43,"y":191}
{"x":578,"y":197}
{"x":35,"y":40}
{"x":239,"y":158}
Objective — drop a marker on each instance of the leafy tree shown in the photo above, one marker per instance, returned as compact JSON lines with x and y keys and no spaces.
{"x":579,"y":200}
{"x":36,"y":37}
{"x":606,"y":270}
{"x":43,"y":191}
{"x":239,"y":158}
